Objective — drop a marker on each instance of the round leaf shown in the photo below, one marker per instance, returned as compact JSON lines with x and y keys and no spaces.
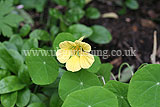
{"x":23,"y":75}
{"x":55,"y":13}
{"x":79,"y":30}
{"x":61,"y":37}
{"x":43,"y":69}
{"x":61,"y":2}
{"x":11,"y":59}
{"x":40,"y":35}
{"x":100,"y":35}
{"x":36,"y":105}
{"x":33,"y":4}
{"x":55,"y":100}
{"x":92,"y":13}
{"x":74,"y":15}
{"x":54,"y":30}
{"x":144,"y":87}
{"x":91,"y":97}
{"x":23,"y":97}
{"x":30,"y":43}
{"x":105,"y":71}
{"x":42,"y":97}
{"x":10,"y":84}
{"x":25,"y":30}
{"x":132,"y":4}
{"x":17,"y":41}
{"x":9,"y":100}
{"x":10,"y":45}
{"x":75,"y":81}
{"x":76,"y":3}
{"x":119,"y":89}
{"x":34,"y":99}
{"x":96,"y":65}
{"x":4,"y":73}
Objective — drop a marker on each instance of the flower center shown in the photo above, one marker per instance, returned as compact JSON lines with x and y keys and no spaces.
{"x":77,"y":50}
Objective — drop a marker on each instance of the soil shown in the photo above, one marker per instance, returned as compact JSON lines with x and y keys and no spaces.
{"x":133,"y":29}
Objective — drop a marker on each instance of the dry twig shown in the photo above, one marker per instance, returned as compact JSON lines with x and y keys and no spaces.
{"x":153,"y":55}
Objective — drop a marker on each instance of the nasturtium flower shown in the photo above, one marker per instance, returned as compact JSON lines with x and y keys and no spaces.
{"x":75,"y":54}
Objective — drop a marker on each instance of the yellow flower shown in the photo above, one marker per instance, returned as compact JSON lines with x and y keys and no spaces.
{"x":75,"y":54}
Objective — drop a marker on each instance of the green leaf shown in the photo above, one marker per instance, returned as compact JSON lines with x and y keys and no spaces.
{"x":31,"y":4}
{"x":74,"y":15}
{"x":10,"y":84}
{"x":126,"y":74}
{"x":55,"y":13}
{"x":9,"y":100}
{"x":12,"y":20}
{"x":43,"y":69}
{"x":63,"y":26}
{"x":55,"y":100}
{"x":132,"y":4}
{"x":26,"y":16}
{"x":100,"y":35}
{"x":93,"y":13}
{"x":105,"y":71}
{"x":37,"y":105}
{"x":120,"y":90}
{"x":61,"y":2}
{"x":71,"y":82}
{"x":23,"y":75}
{"x":42,"y":97}
{"x":23,"y":97}
{"x":79,"y":30}
{"x":48,"y":91}
{"x":61,"y":37}
{"x":6,"y":7}
{"x":54,"y":30}
{"x":34,"y":99}
{"x":122,"y":11}
{"x":8,"y":19}
{"x":91,"y":97}
{"x":10,"y":45}
{"x":17,"y":41}
{"x":11,"y":59}
{"x":4,"y":73}
{"x":29,"y":44}
{"x":144,"y":87}
{"x":40,"y":35}
{"x":5,"y":30}
{"x":96,"y":65}
{"x":76,"y":3}
{"x":24,"y":31}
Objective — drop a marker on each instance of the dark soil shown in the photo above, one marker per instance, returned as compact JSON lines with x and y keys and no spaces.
{"x":133,"y":29}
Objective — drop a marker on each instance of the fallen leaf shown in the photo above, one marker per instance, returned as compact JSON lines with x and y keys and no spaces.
{"x":147,"y":23}
{"x":110,"y":15}
{"x":87,"y":1}
{"x":126,"y":74}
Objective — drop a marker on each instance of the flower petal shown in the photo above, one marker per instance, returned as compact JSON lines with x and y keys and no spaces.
{"x":85,"y":46}
{"x":86,"y":60}
{"x":73,"y":64}
{"x":63,"y":55}
{"x":80,"y":39}
{"x":66,"y":44}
